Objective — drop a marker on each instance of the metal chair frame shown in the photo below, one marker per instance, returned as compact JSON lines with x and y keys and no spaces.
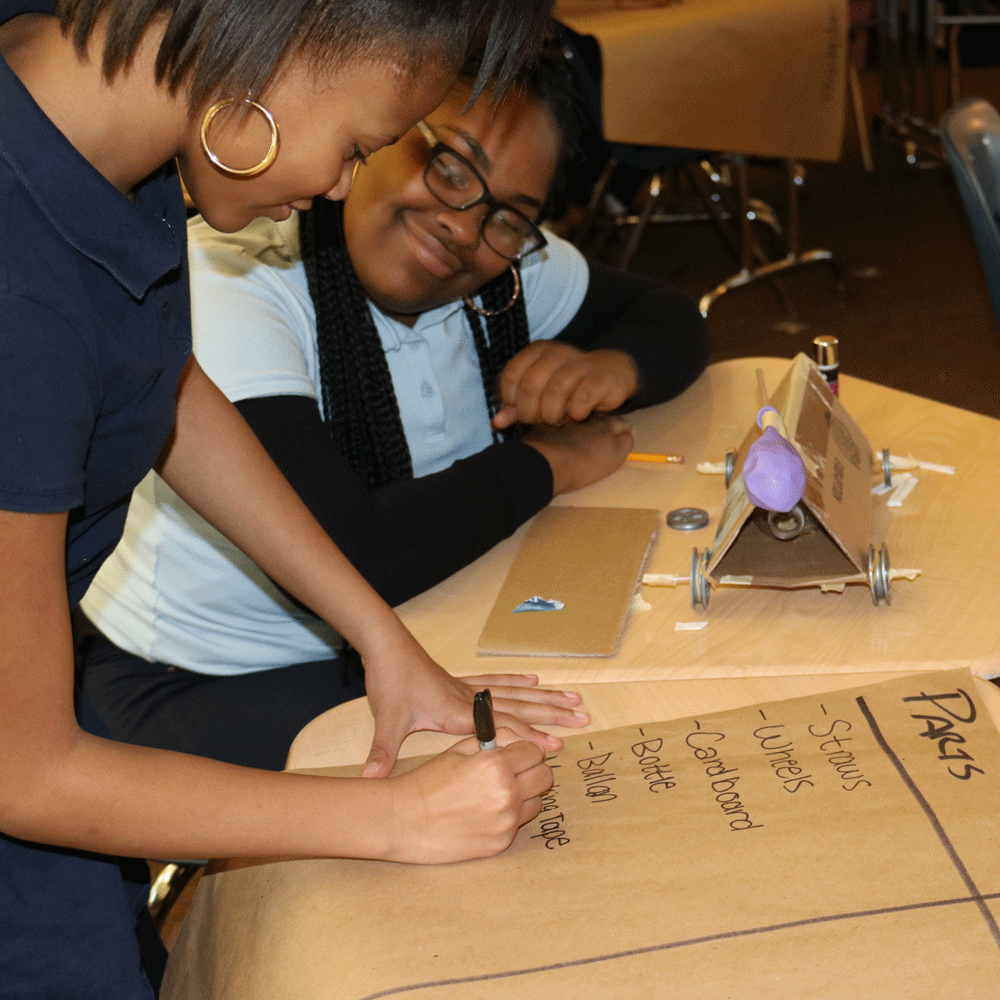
{"x":901,"y":67}
{"x":970,"y":136}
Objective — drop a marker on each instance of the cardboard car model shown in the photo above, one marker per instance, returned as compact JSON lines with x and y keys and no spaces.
{"x":835,"y":535}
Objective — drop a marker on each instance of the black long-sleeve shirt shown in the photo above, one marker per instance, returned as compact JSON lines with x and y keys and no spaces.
{"x":410,"y":534}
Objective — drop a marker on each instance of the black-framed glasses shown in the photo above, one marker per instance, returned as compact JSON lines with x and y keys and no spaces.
{"x":455,"y":182}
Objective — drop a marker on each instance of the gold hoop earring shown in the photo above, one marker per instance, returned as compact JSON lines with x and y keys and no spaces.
{"x":471,"y":303}
{"x":269,"y":157}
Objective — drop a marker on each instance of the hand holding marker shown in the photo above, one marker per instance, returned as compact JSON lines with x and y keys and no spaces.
{"x":773,"y":472}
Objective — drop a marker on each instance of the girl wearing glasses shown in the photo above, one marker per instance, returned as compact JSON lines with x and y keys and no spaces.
{"x":261,"y":106}
{"x":388,"y":353}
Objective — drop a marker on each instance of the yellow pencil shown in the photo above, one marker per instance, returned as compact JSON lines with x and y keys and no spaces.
{"x":645,"y":456}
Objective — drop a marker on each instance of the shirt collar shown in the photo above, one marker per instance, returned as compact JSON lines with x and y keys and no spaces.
{"x":132,"y":241}
{"x":394,"y":334}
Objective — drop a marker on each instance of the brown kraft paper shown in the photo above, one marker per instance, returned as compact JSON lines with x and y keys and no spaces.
{"x":839,"y":846}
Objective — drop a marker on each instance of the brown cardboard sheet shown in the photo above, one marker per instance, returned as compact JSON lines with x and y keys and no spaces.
{"x":590,"y":559}
{"x":840,"y":846}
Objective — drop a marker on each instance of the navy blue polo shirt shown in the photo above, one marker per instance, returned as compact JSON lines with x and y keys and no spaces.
{"x":94,"y":327}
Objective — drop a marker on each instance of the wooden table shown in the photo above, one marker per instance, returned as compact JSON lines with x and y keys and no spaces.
{"x":764,"y":77}
{"x":949,"y":528}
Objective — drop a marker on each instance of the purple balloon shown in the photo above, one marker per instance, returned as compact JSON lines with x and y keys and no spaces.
{"x":773,"y":473}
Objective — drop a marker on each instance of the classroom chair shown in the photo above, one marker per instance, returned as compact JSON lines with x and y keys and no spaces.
{"x":719,"y":182}
{"x":655,"y":170}
{"x":970,"y":135}
{"x":942,"y":26}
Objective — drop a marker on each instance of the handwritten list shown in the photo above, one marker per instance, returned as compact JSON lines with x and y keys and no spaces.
{"x":842,"y":845}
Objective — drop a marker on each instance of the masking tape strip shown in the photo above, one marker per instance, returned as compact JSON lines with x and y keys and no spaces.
{"x":909,"y":462}
{"x":663,"y":579}
{"x":901,"y":492}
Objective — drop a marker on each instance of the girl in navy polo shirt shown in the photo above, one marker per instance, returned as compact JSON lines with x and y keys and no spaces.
{"x":261,"y":106}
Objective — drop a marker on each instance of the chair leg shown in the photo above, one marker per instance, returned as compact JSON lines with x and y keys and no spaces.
{"x":581,"y":231}
{"x":747,"y":251}
{"x":794,"y":258}
{"x":655,"y":186}
{"x":859,"y":119}
{"x":930,"y":62}
{"x":954,"y":65}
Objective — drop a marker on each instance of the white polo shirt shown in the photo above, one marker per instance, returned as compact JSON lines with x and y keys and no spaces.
{"x":175,"y":591}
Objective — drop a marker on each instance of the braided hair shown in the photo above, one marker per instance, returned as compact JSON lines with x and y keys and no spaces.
{"x":359,"y":402}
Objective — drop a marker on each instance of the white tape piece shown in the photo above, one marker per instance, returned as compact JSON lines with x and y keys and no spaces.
{"x":902,"y":491}
{"x":903,"y":574}
{"x":948,"y":470}
{"x":689,"y":626}
{"x":737,"y":581}
{"x":894,"y":481}
{"x":639,"y":604}
{"x":711,"y":468}
{"x":909,"y":462}
{"x":663,"y":579}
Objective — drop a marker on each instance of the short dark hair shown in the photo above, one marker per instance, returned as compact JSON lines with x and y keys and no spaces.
{"x":233,"y":47}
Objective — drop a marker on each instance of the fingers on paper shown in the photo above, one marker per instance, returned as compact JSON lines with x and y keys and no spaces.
{"x":541,"y":712}
{"x":522,"y":688}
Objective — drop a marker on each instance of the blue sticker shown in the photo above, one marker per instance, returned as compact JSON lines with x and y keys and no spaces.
{"x":539,"y":604}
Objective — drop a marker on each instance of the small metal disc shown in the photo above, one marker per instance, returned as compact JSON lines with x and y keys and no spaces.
{"x":687,"y":518}
{"x":786,"y":526}
{"x":879,"y":578}
{"x":700,"y":589}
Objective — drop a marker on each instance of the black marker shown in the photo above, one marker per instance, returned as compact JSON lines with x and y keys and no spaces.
{"x":482,"y":716}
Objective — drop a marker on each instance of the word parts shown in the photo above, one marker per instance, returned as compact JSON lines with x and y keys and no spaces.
{"x":941,"y":728}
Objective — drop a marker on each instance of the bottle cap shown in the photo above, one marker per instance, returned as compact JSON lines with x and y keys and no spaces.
{"x":827,"y":351}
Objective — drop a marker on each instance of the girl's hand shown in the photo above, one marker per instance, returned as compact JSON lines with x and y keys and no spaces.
{"x":466,"y":803}
{"x":409,"y":692}
{"x":550,"y":382}
{"x":581,"y":454}
{"x":519,"y":696}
